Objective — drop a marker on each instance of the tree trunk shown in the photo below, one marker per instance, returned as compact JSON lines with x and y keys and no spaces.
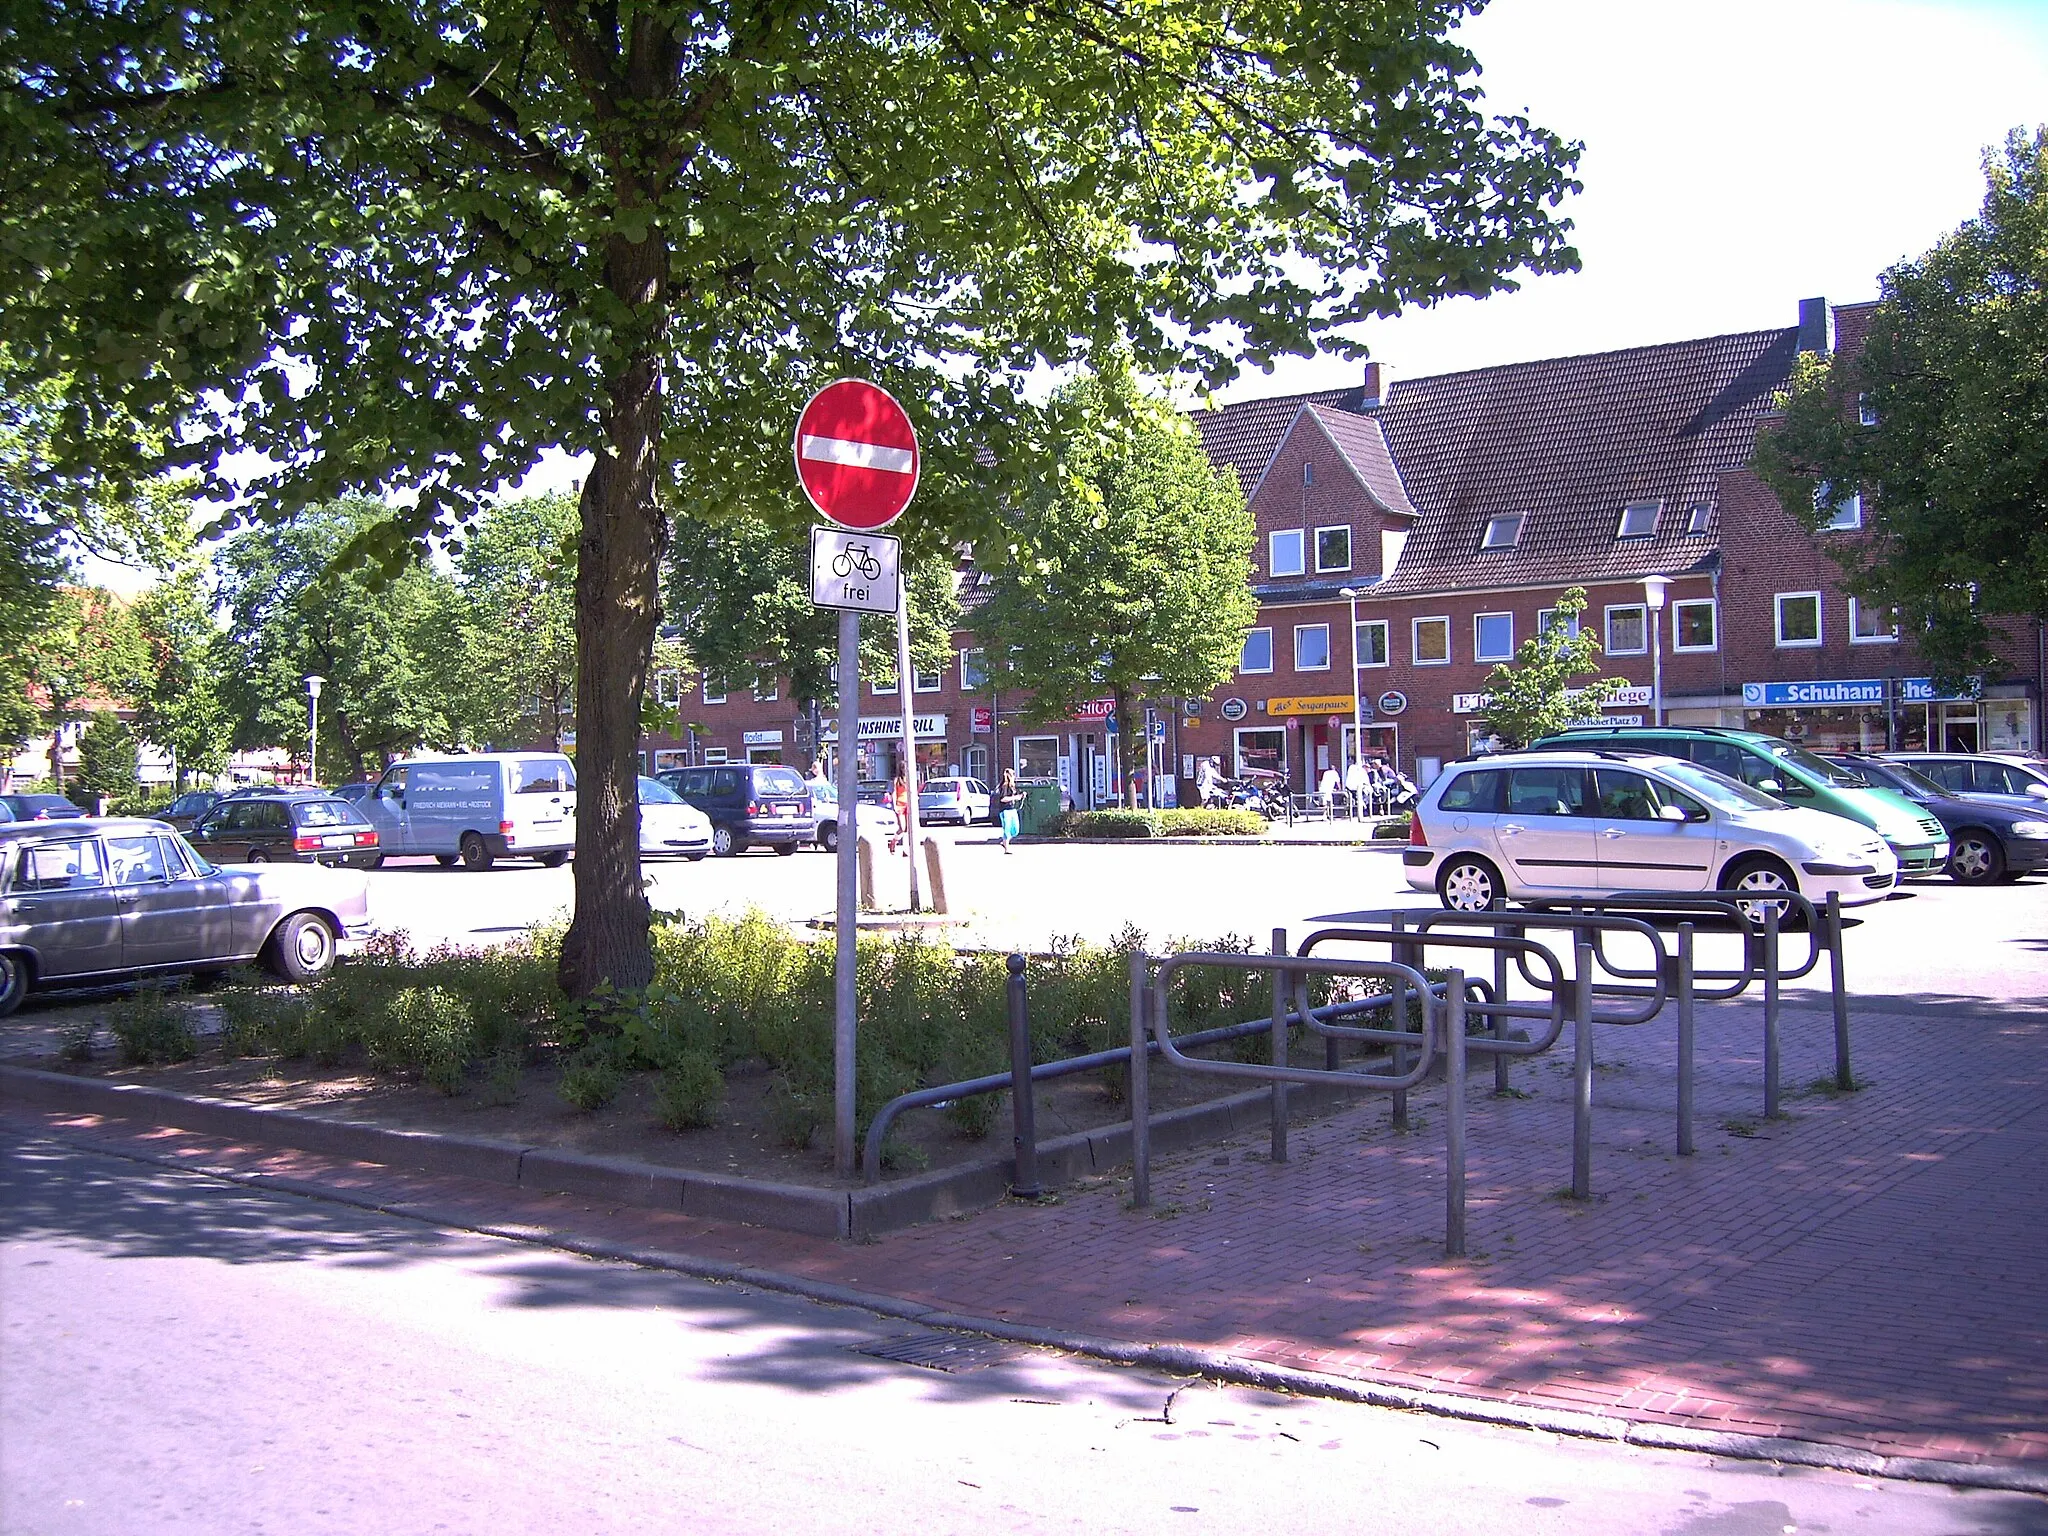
{"x":618,"y":611}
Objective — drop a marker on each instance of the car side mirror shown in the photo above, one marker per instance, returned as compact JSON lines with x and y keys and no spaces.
{"x":2037,"y":789}
{"x":1771,"y":787}
{"x":1672,"y":813}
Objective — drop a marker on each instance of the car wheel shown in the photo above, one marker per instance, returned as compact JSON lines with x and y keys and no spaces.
{"x":258,"y":856}
{"x":828,"y":838}
{"x":1975,"y":858}
{"x":785,"y":849}
{"x":474,"y":851}
{"x":552,"y":860}
{"x":302,"y":948}
{"x":13,"y":981}
{"x":1469,"y":884}
{"x":723,"y":843}
{"x":1762,"y":876}
{"x":445,"y":860}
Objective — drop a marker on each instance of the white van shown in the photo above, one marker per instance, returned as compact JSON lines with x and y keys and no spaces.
{"x":477,"y":808}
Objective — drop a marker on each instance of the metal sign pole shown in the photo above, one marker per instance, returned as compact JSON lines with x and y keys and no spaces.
{"x":849,"y":842}
{"x":906,"y":682}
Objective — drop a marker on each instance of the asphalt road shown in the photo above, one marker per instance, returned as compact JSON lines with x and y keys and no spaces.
{"x":183,"y":1354}
{"x":1933,"y":939}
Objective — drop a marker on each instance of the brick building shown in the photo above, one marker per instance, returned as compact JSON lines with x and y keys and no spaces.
{"x":1450,"y":513}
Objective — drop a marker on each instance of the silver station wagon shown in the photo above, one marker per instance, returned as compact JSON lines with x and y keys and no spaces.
{"x":87,"y":902}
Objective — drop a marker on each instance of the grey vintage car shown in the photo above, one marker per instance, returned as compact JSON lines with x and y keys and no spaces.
{"x":86,"y":902}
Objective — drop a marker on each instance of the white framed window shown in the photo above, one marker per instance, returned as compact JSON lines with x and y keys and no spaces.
{"x":1845,"y":517}
{"x":1695,"y":625}
{"x":1493,"y":636}
{"x":767,"y":688}
{"x":1548,"y":619}
{"x":1866,"y":411}
{"x":922,"y":681}
{"x":1798,"y":620}
{"x":883,"y":685}
{"x":1639,"y":519}
{"x":1872,"y":623}
{"x":1502,"y":532}
{"x":1283,"y":553}
{"x":1258,"y":651}
{"x":1333,"y":549}
{"x":1311,"y":647}
{"x":1697,"y":518}
{"x":1370,"y":640}
{"x":714,"y":693}
{"x":1431,"y":641}
{"x":1628,"y":632}
{"x":973,"y":669}
{"x":715,"y":755}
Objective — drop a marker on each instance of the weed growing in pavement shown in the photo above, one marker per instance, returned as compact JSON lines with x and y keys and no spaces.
{"x":1828,"y":1088}
{"x":1741,"y":1125}
{"x":151,"y":1028}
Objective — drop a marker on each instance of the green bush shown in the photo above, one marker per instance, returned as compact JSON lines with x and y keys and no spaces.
{"x":1139,"y":824}
{"x":1393,"y":826}
{"x":151,"y":1028}
{"x":690,"y":1090}
{"x":427,"y":1030}
{"x":592,"y":1079}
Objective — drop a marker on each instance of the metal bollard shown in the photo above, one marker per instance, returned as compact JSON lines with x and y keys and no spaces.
{"x":1279,"y":1044}
{"x":1141,"y":1087}
{"x":1771,"y":1012}
{"x":1582,"y":1066}
{"x":1454,"y":1115}
{"x":1845,"y":1078}
{"x":1682,"y":983}
{"x":1397,"y":1014}
{"x":1023,"y":1109}
{"x":1500,"y":1023}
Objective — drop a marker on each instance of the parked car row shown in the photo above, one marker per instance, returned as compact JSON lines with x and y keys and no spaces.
{"x":1605,"y":810}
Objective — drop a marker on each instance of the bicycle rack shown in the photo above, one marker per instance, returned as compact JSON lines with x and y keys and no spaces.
{"x":1443,"y":1031}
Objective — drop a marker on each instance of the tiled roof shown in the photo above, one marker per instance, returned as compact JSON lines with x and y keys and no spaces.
{"x":1364,"y":445}
{"x":1245,"y":433}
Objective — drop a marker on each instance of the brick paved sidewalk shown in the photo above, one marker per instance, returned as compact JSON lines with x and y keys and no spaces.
{"x":1866,"y":1272}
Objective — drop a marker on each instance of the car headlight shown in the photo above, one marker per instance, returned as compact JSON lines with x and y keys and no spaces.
{"x":2030,"y":829}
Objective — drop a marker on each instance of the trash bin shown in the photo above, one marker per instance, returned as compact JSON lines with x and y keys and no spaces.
{"x":1041,"y":804}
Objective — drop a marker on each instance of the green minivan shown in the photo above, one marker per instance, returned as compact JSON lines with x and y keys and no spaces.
{"x":1787,"y":772}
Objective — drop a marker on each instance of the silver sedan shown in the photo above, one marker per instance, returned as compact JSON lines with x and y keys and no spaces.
{"x":87,"y":902}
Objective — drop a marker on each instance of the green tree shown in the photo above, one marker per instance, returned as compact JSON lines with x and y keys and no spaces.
{"x":1133,"y":578}
{"x":108,"y":764}
{"x":86,"y":650}
{"x":292,"y":613}
{"x":1941,"y":423}
{"x":181,"y":705}
{"x":507,"y":672}
{"x":409,"y":246}
{"x":1539,"y":693}
{"x":739,"y":593}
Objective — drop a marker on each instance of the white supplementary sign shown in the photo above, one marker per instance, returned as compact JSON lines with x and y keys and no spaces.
{"x":855,"y":570}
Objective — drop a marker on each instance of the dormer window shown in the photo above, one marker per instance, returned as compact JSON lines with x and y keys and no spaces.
{"x":1639,"y":519}
{"x":1503,"y":532}
{"x":1696,"y":520}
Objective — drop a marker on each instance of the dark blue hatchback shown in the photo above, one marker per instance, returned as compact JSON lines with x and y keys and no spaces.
{"x":1988,"y":839}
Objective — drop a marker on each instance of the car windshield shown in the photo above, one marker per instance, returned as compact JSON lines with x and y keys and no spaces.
{"x":654,"y":792}
{"x":1718,"y":790}
{"x":1913,"y":779}
{"x":1826,"y":772}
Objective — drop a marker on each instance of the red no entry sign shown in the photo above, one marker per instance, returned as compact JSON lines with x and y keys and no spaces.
{"x":856,"y":454}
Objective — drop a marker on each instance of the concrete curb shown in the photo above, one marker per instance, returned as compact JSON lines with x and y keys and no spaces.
{"x":1182,"y":1359}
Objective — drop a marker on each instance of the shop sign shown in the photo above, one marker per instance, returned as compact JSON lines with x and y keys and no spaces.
{"x":1233,"y":710}
{"x":1920,"y":690}
{"x":1096,"y":709}
{"x":1475,"y":703}
{"x":1869,"y":690}
{"x":983,"y":721}
{"x":1393,"y":702}
{"x":885,"y":727}
{"x":761,"y":738}
{"x":1467,"y":703}
{"x":1314,"y":704}
{"x":1625,"y":698}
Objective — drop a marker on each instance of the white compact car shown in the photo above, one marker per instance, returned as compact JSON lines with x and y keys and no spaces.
{"x":1550,"y":825}
{"x":877,"y":823}
{"x":669,"y":824}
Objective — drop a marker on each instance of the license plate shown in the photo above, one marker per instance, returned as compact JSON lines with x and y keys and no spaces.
{"x":338,"y":840}
{"x":782,"y":808}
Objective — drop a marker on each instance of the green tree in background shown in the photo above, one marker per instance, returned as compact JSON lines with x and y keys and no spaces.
{"x":108,"y":761}
{"x":1941,"y":422}
{"x":182,"y":705}
{"x":86,"y":650}
{"x":1540,"y":692}
{"x":1134,"y":578}
{"x":292,"y":613}
{"x":410,"y":246}
{"x":508,"y":671}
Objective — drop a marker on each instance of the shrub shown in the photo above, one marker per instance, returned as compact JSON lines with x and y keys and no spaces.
{"x":794,"y":1115}
{"x":76,"y":1044}
{"x":1141,"y":824}
{"x":1394,"y":826}
{"x":690,"y":1091}
{"x":245,"y":1014}
{"x":424,"y":1029}
{"x":592,"y":1079}
{"x":151,"y":1028}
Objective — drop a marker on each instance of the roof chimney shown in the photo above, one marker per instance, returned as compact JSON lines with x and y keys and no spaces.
{"x":1816,"y":327}
{"x":1369,"y":392}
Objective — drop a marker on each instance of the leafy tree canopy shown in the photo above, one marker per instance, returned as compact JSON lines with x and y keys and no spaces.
{"x":405,"y":247}
{"x":1540,"y":692}
{"x":181,"y":701}
{"x":1133,"y":577}
{"x":1954,"y":469}
{"x":507,"y":667}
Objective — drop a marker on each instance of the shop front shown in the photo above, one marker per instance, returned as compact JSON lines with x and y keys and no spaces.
{"x":879,"y":747}
{"x":1889,"y":714}
{"x":1313,"y":730}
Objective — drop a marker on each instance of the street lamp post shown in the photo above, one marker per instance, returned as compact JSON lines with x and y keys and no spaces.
{"x":313,"y":682}
{"x":1653,"y":594}
{"x":1357,"y":698}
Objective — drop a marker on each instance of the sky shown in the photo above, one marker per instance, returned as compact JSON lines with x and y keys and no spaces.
{"x":1740,"y":156}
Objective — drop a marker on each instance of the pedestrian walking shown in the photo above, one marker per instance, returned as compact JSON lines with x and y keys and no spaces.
{"x":1326,"y":791}
{"x":1008,"y":797}
{"x":1357,"y":782}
